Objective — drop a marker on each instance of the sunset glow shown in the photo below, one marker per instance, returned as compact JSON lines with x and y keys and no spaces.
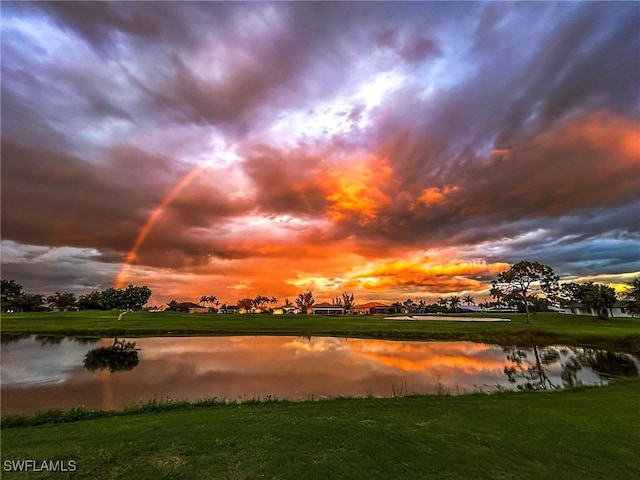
{"x":392,"y":150}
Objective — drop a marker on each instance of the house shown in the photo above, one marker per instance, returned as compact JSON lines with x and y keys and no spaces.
{"x":471,"y":308}
{"x":192,"y":307}
{"x":501,"y":309}
{"x":373,"y":308}
{"x":286,"y":310}
{"x":618,"y":310}
{"x":228,"y":309}
{"x":326,"y":308}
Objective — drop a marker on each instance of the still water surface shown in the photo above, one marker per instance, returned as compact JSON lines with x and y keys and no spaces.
{"x":40,"y":372}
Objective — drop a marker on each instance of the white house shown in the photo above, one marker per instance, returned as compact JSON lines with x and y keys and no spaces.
{"x":618,"y":310}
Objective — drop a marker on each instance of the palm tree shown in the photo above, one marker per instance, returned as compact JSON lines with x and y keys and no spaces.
{"x":408,"y":305}
{"x":212,"y":299}
{"x":422,"y":306}
{"x":443,"y":302}
{"x":454,"y":302}
{"x":468,"y":300}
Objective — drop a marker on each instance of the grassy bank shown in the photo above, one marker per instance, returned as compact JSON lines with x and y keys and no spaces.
{"x":578,"y":433}
{"x":545,"y":328}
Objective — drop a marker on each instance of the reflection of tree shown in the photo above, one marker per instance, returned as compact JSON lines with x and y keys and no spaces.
{"x":609,"y":363}
{"x":45,"y":340}
{"x":7,"y":338}
{"x":49,"y":339}
{"x":119,"y":357}
{"x":532,"y":373}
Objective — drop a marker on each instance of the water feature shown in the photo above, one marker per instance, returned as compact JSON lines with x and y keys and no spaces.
{"x":50,"y":372}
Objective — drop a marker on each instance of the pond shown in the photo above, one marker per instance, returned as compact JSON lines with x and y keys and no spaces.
{"x":47,"y":372}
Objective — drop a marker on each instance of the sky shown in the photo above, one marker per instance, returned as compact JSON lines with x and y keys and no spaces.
{"x":392,"y":150}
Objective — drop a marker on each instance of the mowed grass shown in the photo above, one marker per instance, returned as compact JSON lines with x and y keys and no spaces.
{"x":571,"y":434}
{"x":580,"y":330}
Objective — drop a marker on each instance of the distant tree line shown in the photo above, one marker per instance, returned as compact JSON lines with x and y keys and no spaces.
{"x":14,"y":298}
{"x":528,"y":287}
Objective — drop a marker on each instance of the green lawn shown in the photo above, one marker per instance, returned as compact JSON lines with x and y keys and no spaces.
{"x":545,"y":328}
{"x":571,"y":434}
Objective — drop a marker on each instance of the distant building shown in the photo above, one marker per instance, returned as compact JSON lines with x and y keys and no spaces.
{"x":373,"y":308}
{"x":325,"y":308}
{"x":183,"y":307}
{"x":618,"y":310}
{"x":286,"y":309}
{"x":501,"y":309}
{"x":471,"y":308}
{"x":228,"y":309}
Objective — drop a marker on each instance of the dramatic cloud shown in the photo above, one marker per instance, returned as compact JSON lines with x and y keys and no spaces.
{"x":391,"y":149}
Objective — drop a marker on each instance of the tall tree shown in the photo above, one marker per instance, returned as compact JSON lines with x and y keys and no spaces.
{"x":91,"y":301}
{"x":246,"y":304}
{"x":10,"y":290}
{"x":348,"y":301}
{"x":409,"y":305}
{"x":632,"y":297}
{"x":468,"y":300}
{"x":261,"y":301}
{"x":63,"y":301}
{"x":112,"y":298}
{"x":523,"y":281}
{"x":305,"y":301}
{"x":135,"y":297}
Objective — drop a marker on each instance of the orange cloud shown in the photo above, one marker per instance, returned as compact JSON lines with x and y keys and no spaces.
{"x":435,"y":195}
{"x":359,"y":189}
{"x":450,"y":277}
{"x":433,"y":356}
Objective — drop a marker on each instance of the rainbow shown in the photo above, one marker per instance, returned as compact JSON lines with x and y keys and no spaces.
{"x":153,"y":218}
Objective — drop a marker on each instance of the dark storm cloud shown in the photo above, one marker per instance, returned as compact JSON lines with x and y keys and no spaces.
{"x":96,"y":205}
{"x":252,"y":58}
{"x":552,"y":157}
{"x":287,"y":182}
{"x":589,"y":163}
{"x":46,"y":270}
{"x":589,"y":62}
{"x":56,"y":200}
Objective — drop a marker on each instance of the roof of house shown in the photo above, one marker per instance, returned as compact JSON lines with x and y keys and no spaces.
{"x":189,"y":305}
{"x":370,"y":305}
{"x":326,"y":305}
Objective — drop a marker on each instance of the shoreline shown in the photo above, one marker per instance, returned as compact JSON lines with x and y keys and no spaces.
{"x":447,"y":318}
